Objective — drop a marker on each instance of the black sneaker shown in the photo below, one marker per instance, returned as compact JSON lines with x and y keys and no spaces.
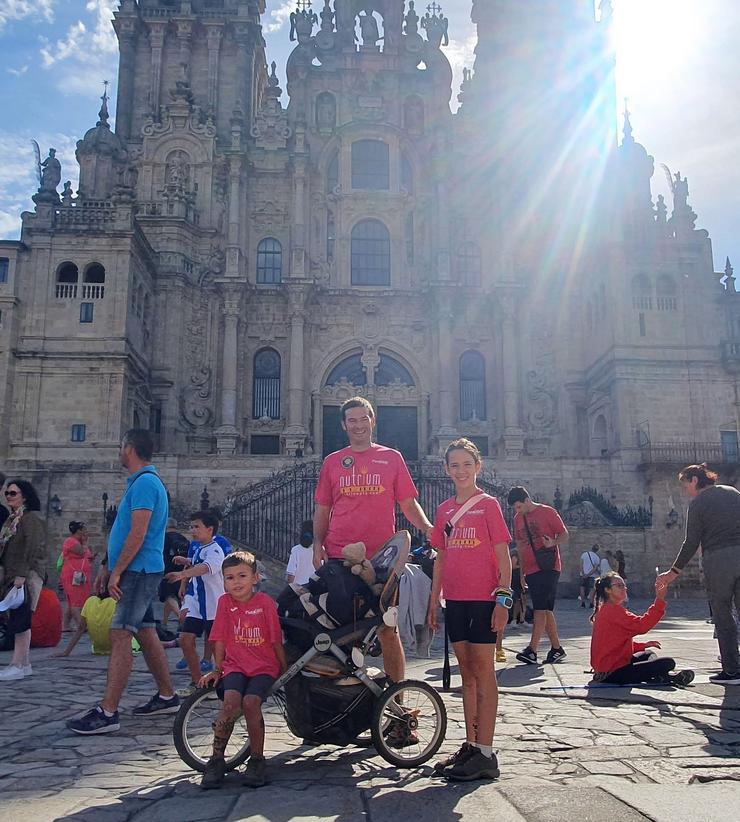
{"x":476,"y":766}
{"x":254,"y":775}
{"x":528,"y":656}
{"x":555,"y":655}
{"x":466,"y":750}
{"x":94,"y":722}
{"x":214,"y":773}
{"x":157,"y":705}
{"x":725,"y":679}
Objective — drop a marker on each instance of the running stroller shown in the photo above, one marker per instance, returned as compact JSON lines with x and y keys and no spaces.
{"x":329,"y":695}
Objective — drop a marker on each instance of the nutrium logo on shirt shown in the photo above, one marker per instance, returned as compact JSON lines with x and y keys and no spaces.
{"x":248,"y":634}
{"x":362,"y":484}
{"x":463,"y":538}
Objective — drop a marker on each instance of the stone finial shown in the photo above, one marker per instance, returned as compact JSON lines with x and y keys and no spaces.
{"x":627,"y":128}
{"x":436,"y":26}
{"x":273,"y":89}
{"x":729,"y":278}
{"x":103,"y":113}
{"x":302,"y":21}
{"x":411,"y":20}
{"x":327,"y":17}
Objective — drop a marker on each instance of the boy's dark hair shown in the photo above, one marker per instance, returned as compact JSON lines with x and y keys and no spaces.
{"x":32,"y":502}
{"x":141,"y":441}
{"x":356,"y":402}
{"x":240,"y":558}
{"x":517,"y":494}
{"x":208,"y":518}
{"x":217,"y":513}
{"x":306,"y":537}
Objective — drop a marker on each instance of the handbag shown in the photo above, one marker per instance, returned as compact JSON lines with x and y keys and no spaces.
{"x":546,"y":558}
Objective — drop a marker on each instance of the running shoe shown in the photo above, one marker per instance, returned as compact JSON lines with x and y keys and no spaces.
{"x":501,"y":656}
{"x":528,"y":656}
{"x":466,"y":750}
{"x":474,"y":767}
{"x":725,"y":679}
{"x":682,"y":678}
{"x":157,"y":705}
{"x":555,"y":655}
{"x":94,"y":722}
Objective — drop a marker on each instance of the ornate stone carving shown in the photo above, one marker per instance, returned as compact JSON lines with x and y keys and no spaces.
{"x":585,"y":515}
{"x":195,"y":399}
{"x":542,"y":402}
{"x":271,"y":129}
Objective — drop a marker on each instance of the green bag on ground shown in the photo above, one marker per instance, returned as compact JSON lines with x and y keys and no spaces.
{"x":60,"y":562}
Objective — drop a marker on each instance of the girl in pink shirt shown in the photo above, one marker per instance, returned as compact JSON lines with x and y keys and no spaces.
{"x":473,"y":572}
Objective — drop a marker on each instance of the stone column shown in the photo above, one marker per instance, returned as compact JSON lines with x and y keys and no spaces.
{"x":296,"y":431}
{"x":126,"y":30}
{"x":227,"y":435}
{"x":156,"y":41}
{"x":214,"y":33}
{"x":513,"y":433}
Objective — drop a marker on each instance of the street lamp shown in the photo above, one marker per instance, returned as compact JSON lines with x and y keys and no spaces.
{"x":56,"y":505}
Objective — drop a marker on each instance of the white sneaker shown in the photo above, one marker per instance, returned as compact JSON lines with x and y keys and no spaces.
{"x":12,"y":672}
{"x":27,"y":670}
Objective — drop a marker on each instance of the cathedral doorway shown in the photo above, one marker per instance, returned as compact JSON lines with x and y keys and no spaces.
{"x":390,"y":387}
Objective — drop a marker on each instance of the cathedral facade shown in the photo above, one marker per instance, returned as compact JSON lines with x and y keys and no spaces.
{"x":232,"y":267}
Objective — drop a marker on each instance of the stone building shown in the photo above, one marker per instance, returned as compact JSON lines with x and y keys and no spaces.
{"x":232,"y":268}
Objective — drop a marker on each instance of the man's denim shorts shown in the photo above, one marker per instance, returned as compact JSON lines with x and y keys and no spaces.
{"x":134,"y":609}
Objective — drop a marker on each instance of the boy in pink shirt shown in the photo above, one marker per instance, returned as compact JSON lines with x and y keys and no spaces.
{"x":249,"y":656}
{"x":356,"y":498}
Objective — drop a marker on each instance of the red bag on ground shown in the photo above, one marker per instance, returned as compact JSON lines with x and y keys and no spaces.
{"x":46,"y":623}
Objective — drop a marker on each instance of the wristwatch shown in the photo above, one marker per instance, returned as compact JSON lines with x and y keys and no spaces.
{"x":506,"y":600}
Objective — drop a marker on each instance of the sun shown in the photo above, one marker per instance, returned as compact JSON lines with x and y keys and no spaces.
{"x":657,"y":43}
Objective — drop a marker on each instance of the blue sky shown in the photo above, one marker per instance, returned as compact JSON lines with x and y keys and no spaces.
{"x":677,"y":64}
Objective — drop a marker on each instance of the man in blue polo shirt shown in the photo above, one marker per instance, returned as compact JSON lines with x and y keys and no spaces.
{"x":135,"y":568}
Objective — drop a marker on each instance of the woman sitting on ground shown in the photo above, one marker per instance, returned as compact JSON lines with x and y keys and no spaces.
{"x":615,"y":657}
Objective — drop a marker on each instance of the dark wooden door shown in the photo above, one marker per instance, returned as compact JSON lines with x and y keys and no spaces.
{"x":398,"y":428}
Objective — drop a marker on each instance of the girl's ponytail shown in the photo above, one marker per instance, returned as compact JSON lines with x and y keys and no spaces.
{"x":601,"y":591}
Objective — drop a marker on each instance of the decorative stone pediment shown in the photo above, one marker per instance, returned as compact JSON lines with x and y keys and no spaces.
{"x":585,"y":515}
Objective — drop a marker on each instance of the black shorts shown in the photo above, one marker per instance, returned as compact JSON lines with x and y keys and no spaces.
{"x":543,"y":587}
{"x":193,"y":625}
{"x":587,"y":583}
{"x":470,"y":622}
{"x":19,"y":619}
{"x":169,"y":590}
{"x":246,"y":685}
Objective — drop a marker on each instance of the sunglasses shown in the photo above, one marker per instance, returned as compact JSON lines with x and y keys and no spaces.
{"x":11,"y":493}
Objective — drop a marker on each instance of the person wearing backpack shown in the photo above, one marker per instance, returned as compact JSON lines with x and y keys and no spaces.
{"x":590,"y":564}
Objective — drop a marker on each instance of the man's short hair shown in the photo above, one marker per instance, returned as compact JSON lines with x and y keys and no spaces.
{"x":141,"y":441}
{"x":356,"y":402}
{"x":208,"y":518}
{"x":240,"y":558}
{"x":517,"y":494}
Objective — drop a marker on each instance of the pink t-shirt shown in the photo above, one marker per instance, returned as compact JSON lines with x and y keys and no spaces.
{"x":362,"y":489}
{"x":248,"y":630}
{"x":544,"y":521}
{"x":470,"y":567}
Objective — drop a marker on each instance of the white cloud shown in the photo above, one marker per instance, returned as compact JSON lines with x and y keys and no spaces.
{"x":19,"y":9}
{"x":19,"y":71}
{"x":18,"y":180}
{"x":70,"y":46}
{"x":279,"y":17}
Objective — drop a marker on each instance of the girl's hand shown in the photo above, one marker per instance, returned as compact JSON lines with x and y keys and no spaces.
{"x":180,"y":561}
{"x":174,"y":576}
{"x":211,"y":678}
{"x":432,"y":616}
{"x":661,"y":589}
{"x":652,"y":644}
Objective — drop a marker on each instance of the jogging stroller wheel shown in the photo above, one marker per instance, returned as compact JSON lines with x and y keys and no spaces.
{"x":409,"y":723}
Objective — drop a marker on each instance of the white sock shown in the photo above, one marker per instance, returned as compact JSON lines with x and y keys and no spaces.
{"x":107,"y":714}
{"x":486,"y":750}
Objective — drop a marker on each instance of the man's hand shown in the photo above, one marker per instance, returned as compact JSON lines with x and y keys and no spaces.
{"x":665,"y":579}
{"x":500,"y":618}
{"x":114,"y":586}
{"x":549,"y":542}
{"x":101,"y":582}
{"x":211,"y":678}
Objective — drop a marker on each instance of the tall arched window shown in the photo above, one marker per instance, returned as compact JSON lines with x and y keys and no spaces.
{"x":665,"y":293}
{"x":269,"y":261}
{"x":371,"y":165}
{"x":95,"y":273}
{"x":68,"y":273}
{"x":266,"y":385}
{"x":469,"y":264}
{"x":371,"y":254}
{"x":472,"y":386}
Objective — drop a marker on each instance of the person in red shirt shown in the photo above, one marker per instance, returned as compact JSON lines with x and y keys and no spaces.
{"x":356,"y":498}
{"x":473,"y":570}
{"x":249,"y":656}
{"x":539,"y":532}
{"x":615,"y":657}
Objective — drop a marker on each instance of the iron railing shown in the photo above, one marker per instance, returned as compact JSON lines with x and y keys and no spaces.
{"x":266,"y":516}
{"x":688,"y":453}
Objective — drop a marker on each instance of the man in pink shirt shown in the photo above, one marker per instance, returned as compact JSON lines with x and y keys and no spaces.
{"x":356,"y":498}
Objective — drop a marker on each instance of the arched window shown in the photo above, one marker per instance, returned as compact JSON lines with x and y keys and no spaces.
{"x":371,"y":165}
{"x":94,"y":273}
{"x":269,"y":261}
{"x":266,"y":385}
{"x":642,"y":298}
{"x":665,"y":294}
{"x":469,"y":264}
{"x":68,"y":273}
{"x":371,"y":254}
{"x":390,"y":371}
{"x":332,"y":173}
{"x":472,"y":386}
{"x":351,"y":370}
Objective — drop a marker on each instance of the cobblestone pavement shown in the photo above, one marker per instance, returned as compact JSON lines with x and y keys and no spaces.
{"x":658,"y":754}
